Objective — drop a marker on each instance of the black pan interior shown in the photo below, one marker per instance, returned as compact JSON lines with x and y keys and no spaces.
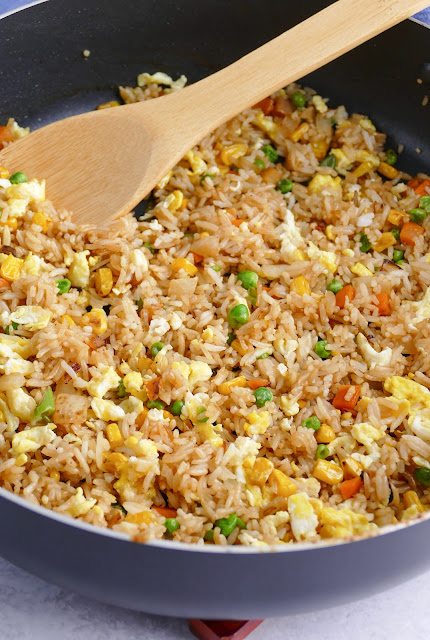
{"x":44,"y":75}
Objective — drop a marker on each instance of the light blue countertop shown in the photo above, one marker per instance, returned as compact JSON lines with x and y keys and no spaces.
{"x":31,"y":609}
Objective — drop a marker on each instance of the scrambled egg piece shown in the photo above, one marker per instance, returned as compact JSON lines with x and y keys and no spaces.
{"x":79,"y":270}
{"x":106,"y":409}
{"x":194,"y":372}
{"x":319,"y":104}
{"x":138,"y":259}
{"x":304,"y":520}
{"x":366,"y":434}
{"x":249,"y":541}
{"x":360,"y":270}
{"x":134,"y":470}
{"x":161,"y":78}
{"x":328,"y":259}
{"x":32,"y":439}
{"x":268,"y":125}
{"x":32,"y":265}
{"x":105,"y":379}
{"x":158,"y":327}
{"x":285,"y":347}
{"x":32,"y":191}
{"x":419,"y":400}
{"x":341,"y":523}
{"x":277,"y":520}
{"x":422,"y":309}
{"x":194,"y":405}
{"x":258,"y":423}
{"x":31,"y":318}
{"x":290,"y":236}
{"x":371,"y":357}
{"x":198,"y":165}
{"x":10,"y":418}
{"x":17,"y":131}
{"x":289,"y":406}
{"x":78,"y":505}
{"x":243,"y":448}
{"x":209,"y":433}
{"x":326,"y":185}
{"x":132,"y":405}
{"x":199,"y":372}
{"x":343,"y":440}
{"x":21,"y":403}
{"x":343,"y":163}
{"x":175,"y":321}
{"x":133,"y":382}
{"x":14,"y":352}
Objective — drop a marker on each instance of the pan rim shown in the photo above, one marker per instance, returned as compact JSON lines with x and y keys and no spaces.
{"x":203,"y":548}
{"x":184,"y":546}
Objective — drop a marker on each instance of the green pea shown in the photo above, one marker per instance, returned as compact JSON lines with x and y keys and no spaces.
{"x":215,"y":267}
{"x":262,"y":395}
{"x":63,"y":285}
{"x":259,"y":163}
{"x":322,"y":452}
{"x":390,"y":156}
{"x":121,"y":390}
{"x":156,"y":348}
{"x":176,"y":407}
{"x":18,"y":178}
{"x":15,"y":326}
{"x":285,"y":185}
{"x":263,"y":356}
{"x":398,"y":255}
{"x":321,"y":351}
{"x":299,"y":99}
{"x":227,"y":525}
{"x":171,"y":525}
{"x":147,"y":245}
{"x":422,"y":475}
{"x":334,"y":286}
{"x":155,"y":404}
{"x":312,"y":423}
{"x":329,"y":161}
{"x":396,"y":233}
{"x":270,"y":153}
{"x":238,"y":316}
{"x":46,"y":407}
{"x":418,"y":215}
{"x":425,"y":204}
{"x":209,"y":535}
{"x":365,"y":243}
{"x":139,"y":305}
{"x":248,"y":279}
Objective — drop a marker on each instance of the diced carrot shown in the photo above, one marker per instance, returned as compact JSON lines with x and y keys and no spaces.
{"x":349,"y":487}
{"x":410,"y":232}
{"x":153,"y":388}
{"x":4,"y":283}
{"x":197,"y":258}
{"x":255,"y":383}
{"x":5,"y":135}
{"x":166,"y":512}
{"x":237,"y":222}
{"x":353,"y":393}
{"x":282,"y":107}
{"x":384,"y":305}
{"x":347,"y":291}
{"x":266,"y":106}
{"x":413,"y":183}
{"x":421,"y":189}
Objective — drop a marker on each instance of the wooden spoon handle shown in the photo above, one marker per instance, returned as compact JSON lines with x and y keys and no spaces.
{"x":321,"y":38}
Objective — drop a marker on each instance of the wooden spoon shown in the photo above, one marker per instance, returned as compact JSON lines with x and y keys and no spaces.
{"x":101,"y":164}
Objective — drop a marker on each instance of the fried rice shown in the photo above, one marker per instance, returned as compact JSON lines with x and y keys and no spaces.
{"x":245,"y":363}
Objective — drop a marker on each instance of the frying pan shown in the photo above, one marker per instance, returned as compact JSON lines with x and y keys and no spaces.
{"x":44,"y":77}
